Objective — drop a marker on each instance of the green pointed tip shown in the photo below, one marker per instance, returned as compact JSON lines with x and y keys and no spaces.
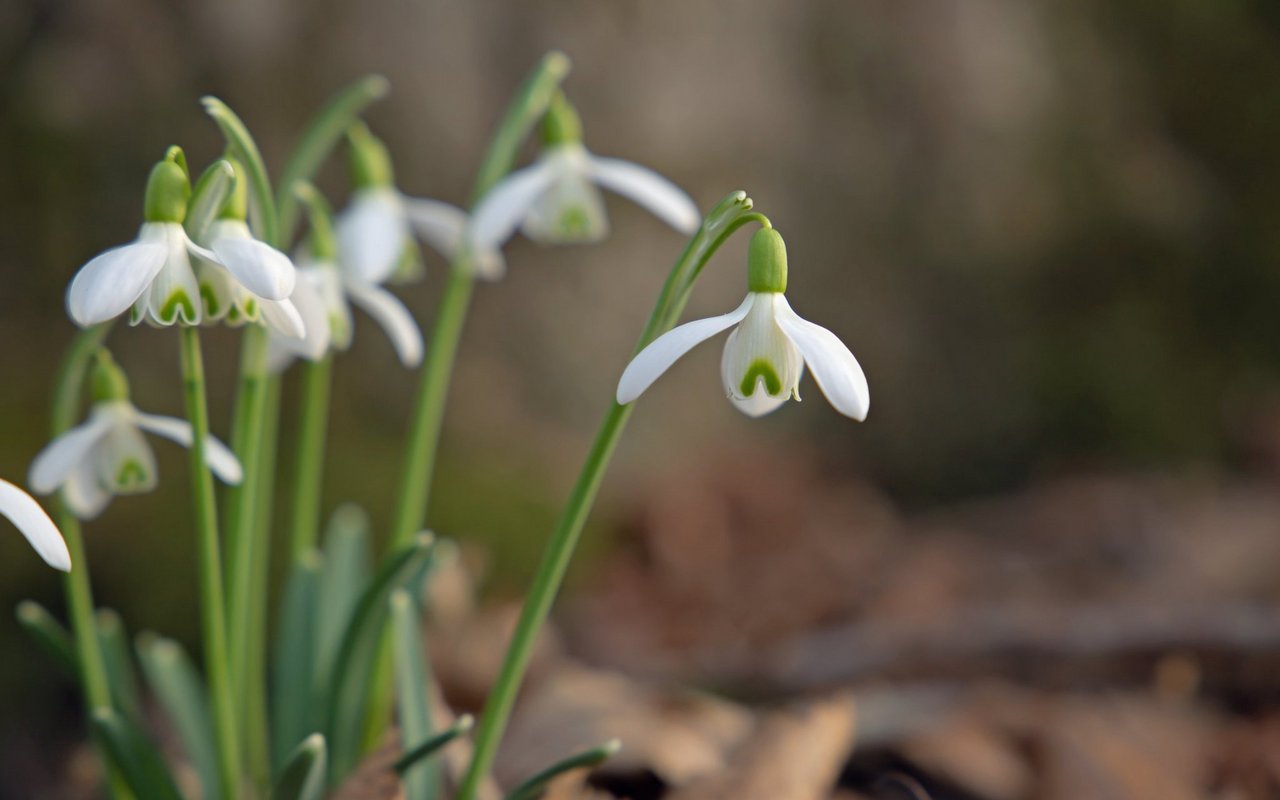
{"x":108,"y":382}
{"x":177,"y":156}
{"x":29,"y":611}
{"x":465,"y":723}
{"x":168,"y":189}
{"x":370,"y":161}
{"x":424,"y":540}
{"x":561,"y":124}
{"x":612,"y":746}
{"x":236,"y":206}
{"x":376,"y":86}
{"x":767,"y":262}
{"x":557,"y":63}
{"x":313,"y":744}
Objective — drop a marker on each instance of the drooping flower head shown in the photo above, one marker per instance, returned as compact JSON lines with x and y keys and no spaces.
{"x":557,"y":198}
{"x":32,"y":522}
{"x":247,"y":281}
{"x":766,"y":354}
{"x":107,"y":455}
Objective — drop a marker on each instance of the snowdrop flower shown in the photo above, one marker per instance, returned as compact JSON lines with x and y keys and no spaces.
{"x":32,"y":522}
{"x":248,"y":280}
{"x":153,"y":274}
{"x":375,"y":232}
{"x":556,"y":199}
{"x":107,"y":455}
{"x":767,"y":352}
{"x":319,"y":298}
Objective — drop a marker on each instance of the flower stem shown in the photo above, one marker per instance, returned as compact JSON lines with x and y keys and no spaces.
{"x":729,"y":215}
{"x":243,"y":539}
{"x":313,"y":423}
{"x":209,"y":557}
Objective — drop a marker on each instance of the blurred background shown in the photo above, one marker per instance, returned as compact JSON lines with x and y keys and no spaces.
{"x":1047,"y":230}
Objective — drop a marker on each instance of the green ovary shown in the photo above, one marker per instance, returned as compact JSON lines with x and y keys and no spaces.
{"x":760,"y":369}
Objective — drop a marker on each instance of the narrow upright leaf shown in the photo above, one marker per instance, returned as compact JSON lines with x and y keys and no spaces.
{"x":344,"y":574}
{"x":533,"y":788}
{"x":303,"y":776}
{"x":134,"y":756}
{"x":422,"y":781}
{"x":52,"y":638}
{"x":295,"y":712}
{"x":119,"y":664}
{"x":177,"y":684}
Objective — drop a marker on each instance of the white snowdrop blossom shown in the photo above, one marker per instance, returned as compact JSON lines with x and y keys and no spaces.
{"x":107,"y":456}
{"x":32,"y":522}
{"x":557,"y":199}
{"x":319,"y":298}
{"x":766,"y":352}
{"x":247,"y":281}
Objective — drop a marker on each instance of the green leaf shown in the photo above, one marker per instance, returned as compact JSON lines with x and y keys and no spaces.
{"x":50,"y":636}
{"x":115,"y":656}
{"x":353,"y":663}
{"x":433,"y":745}
{"x":177,"y":684}
{"x":303,"y":776}
{"x":134,"y":756}
{"x":262,"y":209}
{"x":535,"y":786}
{"x":294,"y":712}
{"x":208,"y":197}
{"x":412,"y":681}
{"x":318,"y":139}
{"x":345,"y":572}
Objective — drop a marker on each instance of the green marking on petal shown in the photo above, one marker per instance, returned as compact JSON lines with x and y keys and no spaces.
{"x":574,"y":221}
{"x":179,"y":303}
{"x":234,"y":316}
{"x":760,"y":369}
{"x":130,"y":475}
{"x":210,"y":298}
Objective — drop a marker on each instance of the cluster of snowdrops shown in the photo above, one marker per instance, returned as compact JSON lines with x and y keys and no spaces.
{"x":291,"y":715}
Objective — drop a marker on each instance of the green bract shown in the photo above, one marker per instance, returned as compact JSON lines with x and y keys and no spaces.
{"x":370,"y":161}
{"x":109,"y":382}
{"x":561,"y":125}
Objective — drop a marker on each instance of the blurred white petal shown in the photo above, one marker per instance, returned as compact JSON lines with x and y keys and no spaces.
{"x":667,"y":201}
{"x":394,"y":318}
{"x":32,"y":522}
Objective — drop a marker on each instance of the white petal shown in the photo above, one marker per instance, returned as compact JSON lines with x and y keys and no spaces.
{"x":315,"y":317}
{"x":33,"y":523}
{"x":258,"y":267}
{"x":175,"y":294}
{"x":371,"y":234}
{"x":217,"y":455}
{"x":834,"y":368}
{"x":394,"y":318}
{"x":667,"y":201}
{"x":440,"y":225}
{"x":759,"y":402}
{"x":82,"y":493}
{"x":570,"y":211}
{"x":507,"y":204}
{"x":664,"y":351}
{"x":55,"y":462}
{"x":757,"y":351}
{"x":282,"y":317}
{"x":111,"y":282}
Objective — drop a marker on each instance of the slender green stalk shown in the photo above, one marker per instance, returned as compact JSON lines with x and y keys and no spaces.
{"x":313,"y":424}
{"x":209,"y":556}
{"x":257,"y":726}
{"x":243,"y":542}
{"x":428,"y":411}
{"x":729,"y":215}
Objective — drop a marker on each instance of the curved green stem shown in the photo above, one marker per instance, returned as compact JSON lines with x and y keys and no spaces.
{"x":209,"y":556}
{"x":729,"y":215}
{"x":313,"y":423}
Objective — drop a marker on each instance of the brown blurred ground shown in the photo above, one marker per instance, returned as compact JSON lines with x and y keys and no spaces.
{"x":1048,"y":231}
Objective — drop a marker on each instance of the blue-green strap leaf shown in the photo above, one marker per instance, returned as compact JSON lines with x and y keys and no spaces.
{"x":413,"y":680}
{"x":134,"y":756}
{"x":177,"y":684}
{"x":52,"y":638}
{"x":303,"y":776}
{"x":432,"y":745}
{"x":534,"y":787}
{"x":294,"y":669}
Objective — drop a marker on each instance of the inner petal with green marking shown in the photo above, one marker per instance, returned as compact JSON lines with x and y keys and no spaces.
{"x":131,"y":475}
{"x":758,"y":369}
{"x":177,"y":303}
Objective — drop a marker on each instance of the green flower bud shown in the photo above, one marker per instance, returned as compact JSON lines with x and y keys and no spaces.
{"x":168,"y":190}
{"x":108,"y":381}
{"x":767,"y":262}
{"x":236,"y":206}
{"x":370,"y":161}
{"x":561,"y":124}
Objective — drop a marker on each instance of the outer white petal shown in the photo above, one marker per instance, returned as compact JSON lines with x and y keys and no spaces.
{"x":507,"y":204}
{"x":664,"y":351}
{"x":258,"y":266}
{"x":834,"y":368}
{"x":83,"y":495}
{"x":667,"y":201}
{"x":371,"y":233}
{"x":33,"y":523}
{"x":282,"y":317}
{"x":315,"y":317}
{"x":394,"y":318}
{"x":56,"y":461}
{"x":111,"y":282}
{"x":217,"y":455}
{"x":443,"y":226}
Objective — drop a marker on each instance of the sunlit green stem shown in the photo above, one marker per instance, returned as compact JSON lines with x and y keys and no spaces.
{"x":729,"y":215}
{"x":313,"y":424}
{"x":243,"y":541}
{"x":257,"y":738}
{"x":209,"y":558}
